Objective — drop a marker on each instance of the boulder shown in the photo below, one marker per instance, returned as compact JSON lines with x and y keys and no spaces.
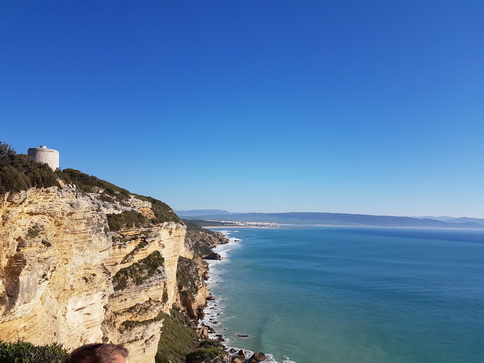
{"x":238,"y":359}
{"x":257,"y":357}
{"x":202,"y":332}
{"x":212,"y":256}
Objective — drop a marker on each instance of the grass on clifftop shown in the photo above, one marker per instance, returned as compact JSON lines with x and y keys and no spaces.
{"x":91,"y":184}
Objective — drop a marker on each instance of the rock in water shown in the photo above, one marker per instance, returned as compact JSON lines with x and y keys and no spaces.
{"x":257,"y":357}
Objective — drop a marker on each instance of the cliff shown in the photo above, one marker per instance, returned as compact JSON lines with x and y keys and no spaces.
{"x":85,"y":262}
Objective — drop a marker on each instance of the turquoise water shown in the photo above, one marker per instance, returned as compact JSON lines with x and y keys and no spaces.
{"x":331,"y":294}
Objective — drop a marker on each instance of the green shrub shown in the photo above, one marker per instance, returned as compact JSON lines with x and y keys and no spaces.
{"x":126,"y":219}
{"x":187,"y":277}
{"x":23,"y":352}
{"x":139,"y":271}
{"x":11,"y":180}
{"x":18,"y":173}
{"x":203,"y":353}
{"x":177,"y":339}
{"x":90,"y":184}
{"x":162,"y":211}
{"x":7,"y":154}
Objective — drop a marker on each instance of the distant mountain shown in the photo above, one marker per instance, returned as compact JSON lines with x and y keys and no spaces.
{"x":335,"y":219}
{"x":458,"y":220}
{"x":199,"y":212}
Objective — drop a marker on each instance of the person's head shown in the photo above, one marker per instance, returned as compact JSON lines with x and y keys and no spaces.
{"x":99,"y":353}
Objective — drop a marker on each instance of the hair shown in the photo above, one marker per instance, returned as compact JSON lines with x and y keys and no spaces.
{"x":96,"y":353}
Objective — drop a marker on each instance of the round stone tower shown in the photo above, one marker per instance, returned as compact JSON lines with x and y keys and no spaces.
{"x":44,"y":155}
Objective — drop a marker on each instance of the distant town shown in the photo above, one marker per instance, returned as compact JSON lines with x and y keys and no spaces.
{"x":223,"y":223}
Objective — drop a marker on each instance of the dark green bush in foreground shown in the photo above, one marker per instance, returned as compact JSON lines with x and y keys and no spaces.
{"x":23,"y":352}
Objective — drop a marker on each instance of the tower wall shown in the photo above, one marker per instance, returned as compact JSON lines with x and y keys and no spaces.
{"x":44,"y":155}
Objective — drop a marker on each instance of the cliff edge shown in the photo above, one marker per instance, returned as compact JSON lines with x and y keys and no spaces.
{"x":84,"y":261}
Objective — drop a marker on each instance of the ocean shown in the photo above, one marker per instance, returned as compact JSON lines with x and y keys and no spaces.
{"x":344,"y":294}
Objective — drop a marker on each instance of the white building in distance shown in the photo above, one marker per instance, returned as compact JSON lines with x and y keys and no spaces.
{"x":44,"y":155}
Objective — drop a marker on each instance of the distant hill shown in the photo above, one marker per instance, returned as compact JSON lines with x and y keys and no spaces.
{"x":458,"y":220}
{"x":198,"y":212}
{"x":334,"y":219}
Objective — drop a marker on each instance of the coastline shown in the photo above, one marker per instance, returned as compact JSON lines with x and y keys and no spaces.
{"x":347,"y":226}
{"x":213,"y":311}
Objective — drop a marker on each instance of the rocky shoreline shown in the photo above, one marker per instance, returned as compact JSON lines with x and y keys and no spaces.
{"x":210,"y":328}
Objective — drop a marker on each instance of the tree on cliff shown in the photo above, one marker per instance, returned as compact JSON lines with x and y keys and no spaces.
{"x":7,"y":154}
{"x":18,"y":173}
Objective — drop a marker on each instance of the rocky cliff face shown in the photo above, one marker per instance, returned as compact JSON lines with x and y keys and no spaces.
{"x":79,"y":267}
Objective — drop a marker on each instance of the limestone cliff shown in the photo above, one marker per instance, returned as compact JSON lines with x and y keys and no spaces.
{"x":79,"y":267}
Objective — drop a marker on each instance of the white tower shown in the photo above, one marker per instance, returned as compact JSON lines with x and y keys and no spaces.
{"x":44,"y":155}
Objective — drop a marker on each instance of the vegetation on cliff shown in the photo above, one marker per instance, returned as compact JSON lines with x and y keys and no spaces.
{"x":208,"y":349}
{"x":23,"y":352}
{"x":187,"y":277}
{"x":18,"y":173}
{"x":126,"y":219}
{"x":110,"y":192}
{"x":179,"y":343}
{"x":162,"y":212}
{"x":202,"y":240}
{"x":177,"y":339}
{"x":91,"y":184}
{"x":133,"y":219}
{"x":139,"y":271}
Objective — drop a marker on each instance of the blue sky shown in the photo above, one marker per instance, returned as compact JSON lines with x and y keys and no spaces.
{"x":356,"y":106}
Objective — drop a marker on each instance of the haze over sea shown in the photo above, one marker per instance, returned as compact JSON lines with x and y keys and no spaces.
{"x":344,"y":294}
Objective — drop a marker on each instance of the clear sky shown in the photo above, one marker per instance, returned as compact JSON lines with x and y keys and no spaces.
{"x":349,"y":106}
